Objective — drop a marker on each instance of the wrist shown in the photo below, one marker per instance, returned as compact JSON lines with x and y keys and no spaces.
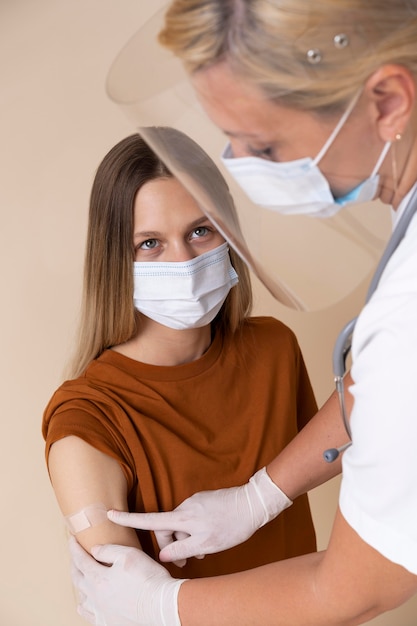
{"x":169,"y":603}
{"x":272,"y":499}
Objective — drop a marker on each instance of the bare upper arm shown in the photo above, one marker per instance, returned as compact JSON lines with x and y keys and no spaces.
{"x":82,"y":476}
{"x":357,"y":579}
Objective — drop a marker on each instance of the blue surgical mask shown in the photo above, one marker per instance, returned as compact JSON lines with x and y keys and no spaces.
{"x":299,"y":187}
{"x":352,"y":196}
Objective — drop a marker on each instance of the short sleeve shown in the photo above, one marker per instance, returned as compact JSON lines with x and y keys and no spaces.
{"x":86,"y":419}
{"x":379,"y":487}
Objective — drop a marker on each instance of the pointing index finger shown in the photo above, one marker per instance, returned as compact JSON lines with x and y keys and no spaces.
{"x":170,"y":521}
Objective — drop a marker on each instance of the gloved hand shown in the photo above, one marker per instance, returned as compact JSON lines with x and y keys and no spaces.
{"x":211,"y":521}
{"x":134,"y":591}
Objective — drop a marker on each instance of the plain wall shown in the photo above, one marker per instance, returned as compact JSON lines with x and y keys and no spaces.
{"x":56,"y":125}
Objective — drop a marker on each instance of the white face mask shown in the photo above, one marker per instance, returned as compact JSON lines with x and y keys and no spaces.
{"x":298,"y":187}
{"x":184,"y":295}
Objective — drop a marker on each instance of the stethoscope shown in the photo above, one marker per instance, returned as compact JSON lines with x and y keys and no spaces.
{"x":344,"y":340}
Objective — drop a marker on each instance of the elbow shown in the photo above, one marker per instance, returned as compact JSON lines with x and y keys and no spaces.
{"x":353,"y":598}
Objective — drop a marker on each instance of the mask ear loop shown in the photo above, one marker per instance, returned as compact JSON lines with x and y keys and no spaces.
{"x":336,"y":132}
{"x":337,"y":128}
{"x":394,"y":166}
{"x":382,"y":156}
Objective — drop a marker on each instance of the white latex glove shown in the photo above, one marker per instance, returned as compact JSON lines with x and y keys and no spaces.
{"x":134,"y":591}
{"x":211,"y":521}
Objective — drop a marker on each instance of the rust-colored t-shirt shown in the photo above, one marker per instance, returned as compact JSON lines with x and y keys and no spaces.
{"x":203,"y":425}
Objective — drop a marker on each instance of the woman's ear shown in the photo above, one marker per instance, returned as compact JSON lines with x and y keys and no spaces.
{"x":392,"y":92}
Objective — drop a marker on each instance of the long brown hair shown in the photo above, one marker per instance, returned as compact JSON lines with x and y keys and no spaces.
{"x":108,"y":315}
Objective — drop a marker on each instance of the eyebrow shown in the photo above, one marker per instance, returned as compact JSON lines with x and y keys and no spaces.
{"x":153,"y":234}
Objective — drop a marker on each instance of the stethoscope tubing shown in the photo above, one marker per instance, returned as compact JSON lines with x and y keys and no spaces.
{"x":344,"y":339}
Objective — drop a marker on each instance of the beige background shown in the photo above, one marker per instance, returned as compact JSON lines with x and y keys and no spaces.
{"x":56,"y":125}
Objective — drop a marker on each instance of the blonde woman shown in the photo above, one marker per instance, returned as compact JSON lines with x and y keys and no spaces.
{"x":326,"y":92}
{"x":174,"y":388}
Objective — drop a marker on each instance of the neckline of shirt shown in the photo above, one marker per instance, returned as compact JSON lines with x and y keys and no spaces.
{"x":163,"y":372}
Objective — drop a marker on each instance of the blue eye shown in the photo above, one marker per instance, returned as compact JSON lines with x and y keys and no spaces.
{"x":201,"y":231}
{"x":149,"y":244}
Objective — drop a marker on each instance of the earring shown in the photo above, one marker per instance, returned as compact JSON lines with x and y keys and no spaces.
{"x":398,"y":137}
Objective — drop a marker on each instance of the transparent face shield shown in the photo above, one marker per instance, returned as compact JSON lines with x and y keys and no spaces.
{"x":307,"y":263}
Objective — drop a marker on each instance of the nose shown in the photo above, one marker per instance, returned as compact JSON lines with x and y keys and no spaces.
{"x":180,"y":251}
{"x":237,"y":148}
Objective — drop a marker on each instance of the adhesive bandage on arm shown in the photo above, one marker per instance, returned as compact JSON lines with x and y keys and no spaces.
{"x":89,"y":516}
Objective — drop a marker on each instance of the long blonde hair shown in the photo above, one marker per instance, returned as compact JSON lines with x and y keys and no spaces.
{"x":311,"y":54}
{"x":108,"y":316}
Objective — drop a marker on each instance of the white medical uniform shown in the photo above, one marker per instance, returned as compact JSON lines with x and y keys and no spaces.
{"x":378,"y":495}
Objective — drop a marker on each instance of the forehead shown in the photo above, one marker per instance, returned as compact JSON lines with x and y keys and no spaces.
{"x":232,"y":105}
{"x":165,"y":199}
{"x":240,"y":109}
